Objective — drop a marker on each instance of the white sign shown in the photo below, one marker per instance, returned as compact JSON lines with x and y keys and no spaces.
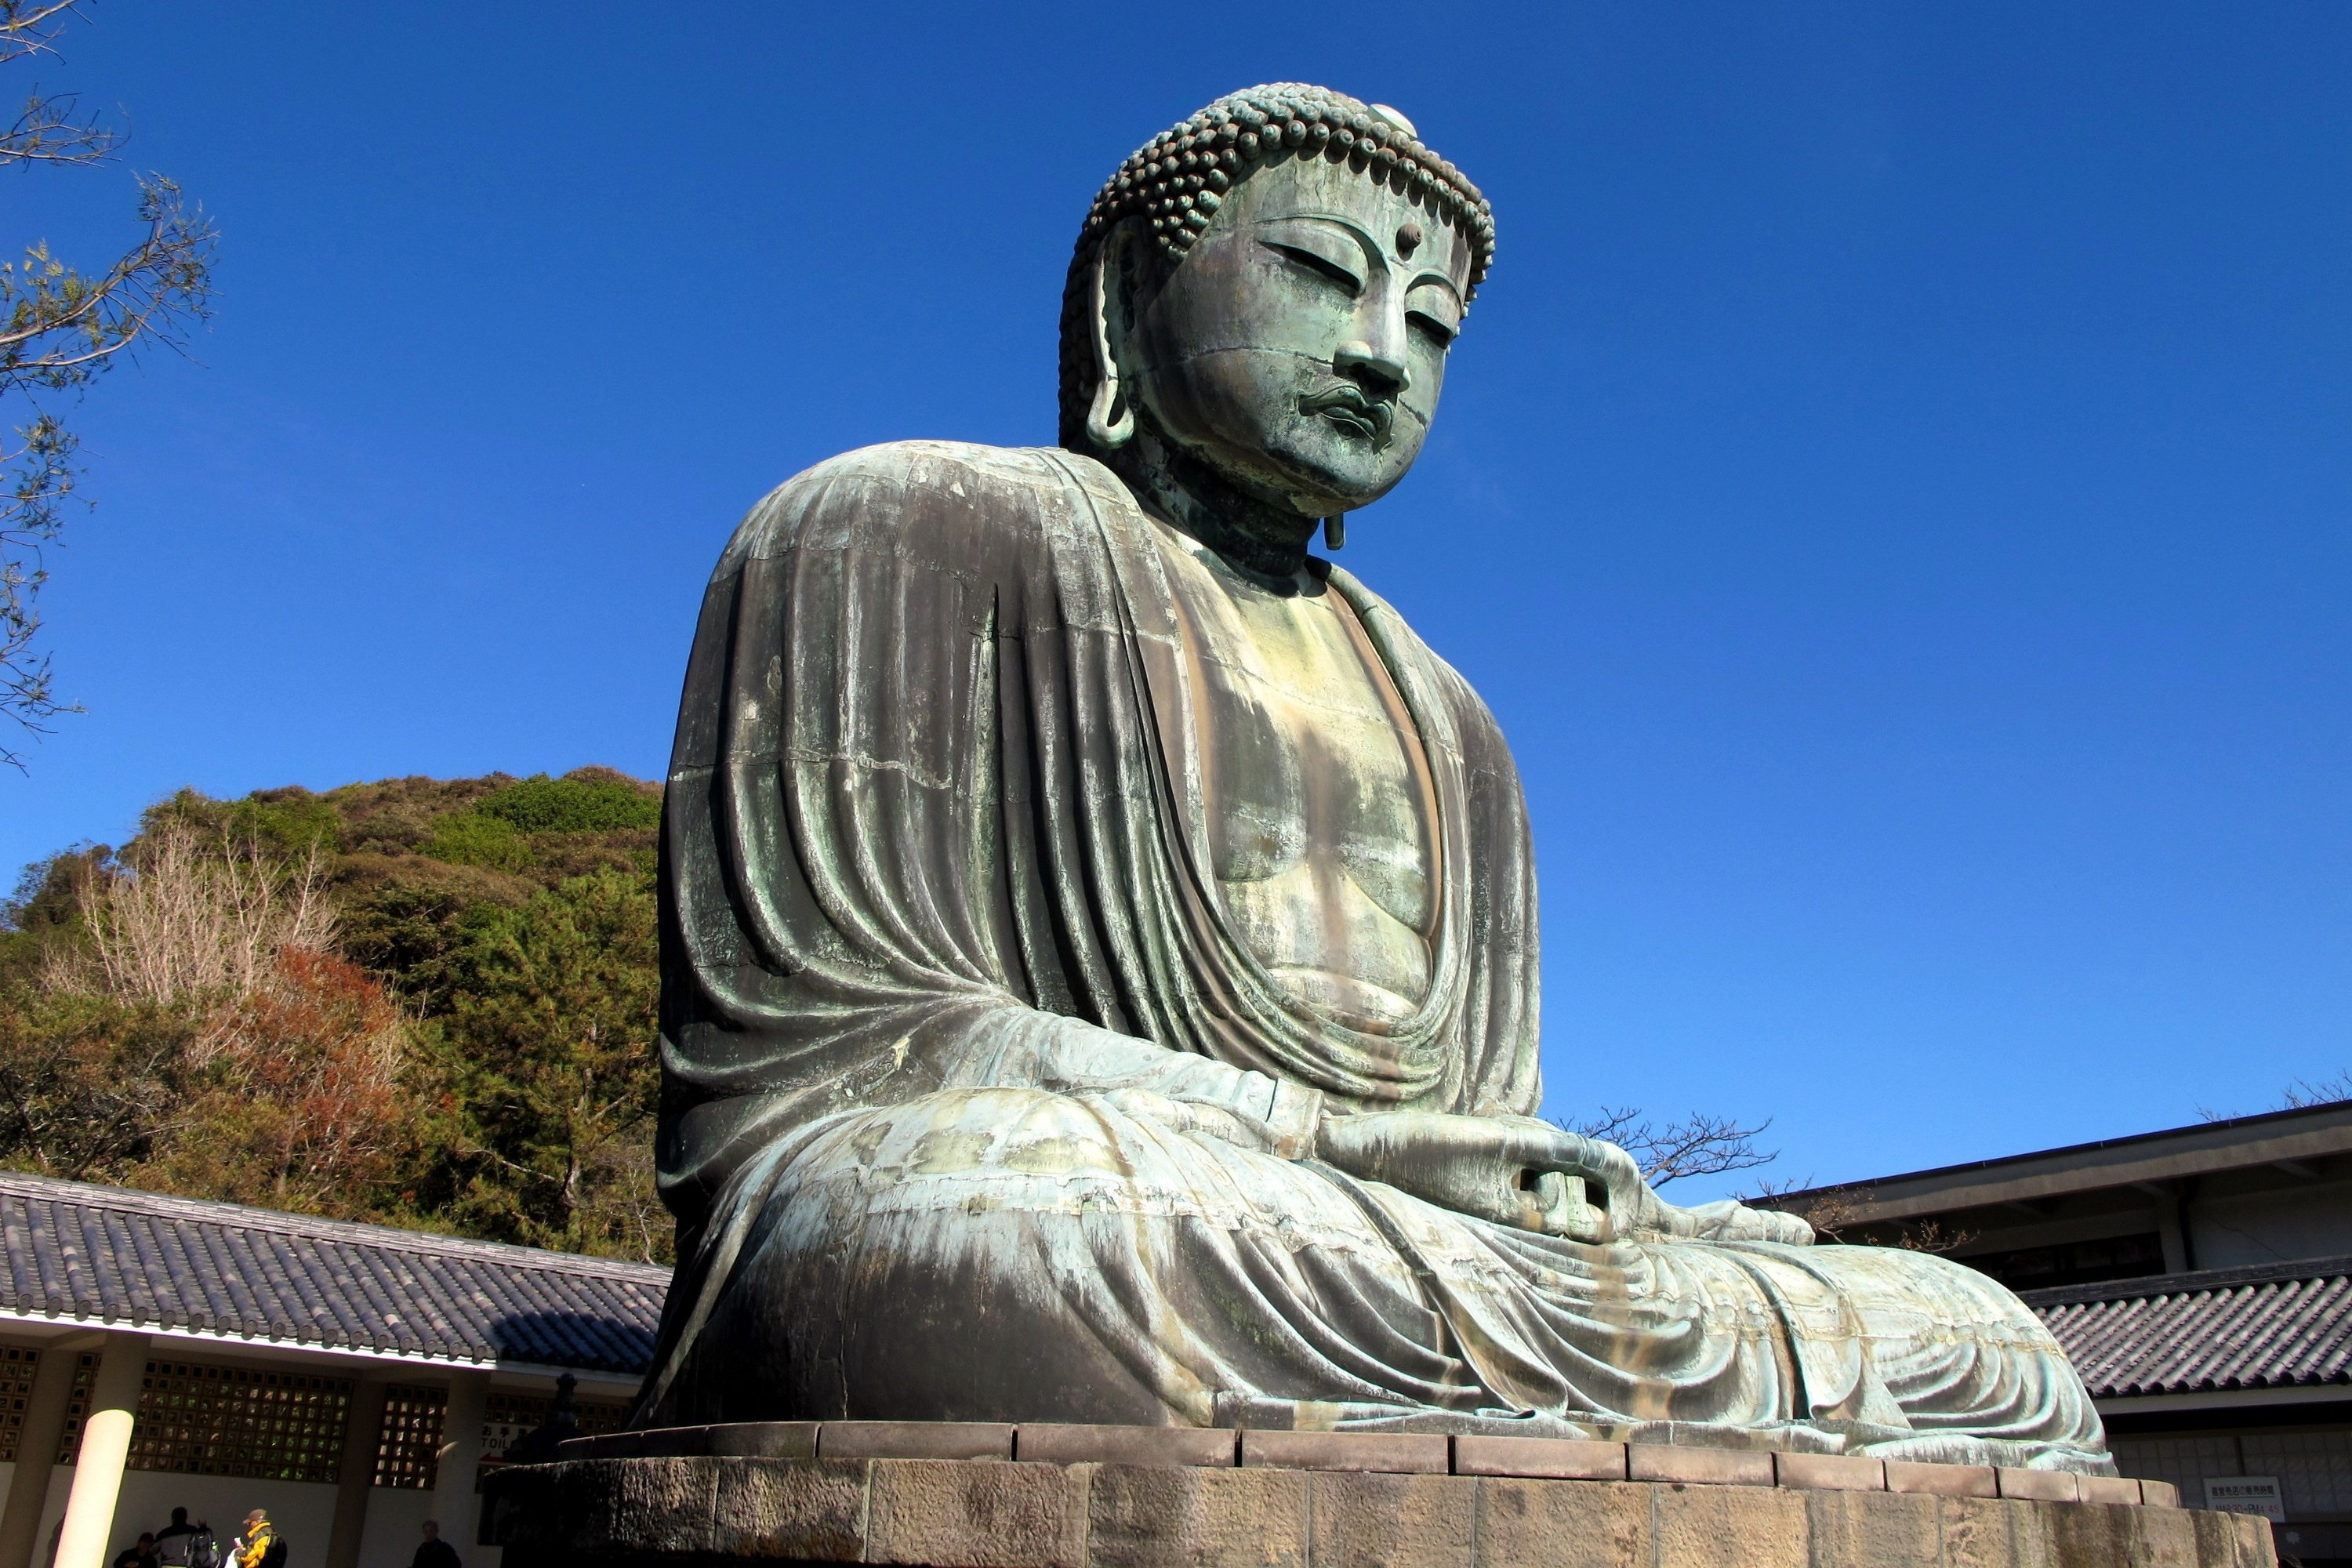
{"x":2246,"y":1494}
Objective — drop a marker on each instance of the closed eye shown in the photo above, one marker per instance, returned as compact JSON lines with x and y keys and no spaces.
{"x":1322,"y":266}
{"x":1433,"y":308}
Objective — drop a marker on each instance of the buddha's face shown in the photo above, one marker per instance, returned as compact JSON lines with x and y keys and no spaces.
{"x":1300,"y":347}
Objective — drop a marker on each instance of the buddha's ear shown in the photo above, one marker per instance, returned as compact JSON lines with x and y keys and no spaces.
{"x":1110,"y":418}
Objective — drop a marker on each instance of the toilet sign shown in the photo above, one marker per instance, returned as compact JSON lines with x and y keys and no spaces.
{"x":2246,"y":1494}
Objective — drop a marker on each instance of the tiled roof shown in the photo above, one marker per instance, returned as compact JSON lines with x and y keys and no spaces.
{"x":2286,"y":1325}
{"x":135,"y":1259}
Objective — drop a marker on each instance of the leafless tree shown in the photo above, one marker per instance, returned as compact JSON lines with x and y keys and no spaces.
{"x":1832,"y":1211}
{"x":2304,"y":1093}
{"x":2300,"y":1095}
{"x":1930,"y":1235}
{"x":60,"y":329}
{"x":198,"y":916}
{"x":1697,"y":1145}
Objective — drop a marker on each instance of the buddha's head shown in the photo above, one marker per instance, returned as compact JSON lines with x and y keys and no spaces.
{"x":1270,"y":289}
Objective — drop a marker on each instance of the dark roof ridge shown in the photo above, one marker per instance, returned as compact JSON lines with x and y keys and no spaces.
{"x":2149,"y":1286}
{"x":1779,"y":1200}
{"x":310,"y":1227}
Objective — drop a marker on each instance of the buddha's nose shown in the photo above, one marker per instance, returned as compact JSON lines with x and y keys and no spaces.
{"x":1385,"y":370}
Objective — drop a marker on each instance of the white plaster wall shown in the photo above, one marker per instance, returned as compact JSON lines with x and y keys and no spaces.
{"x":395,"y":1524}
{"x":395,"y":1520}
{"x":2237,"y":1229}
{"x":54,"y":1509}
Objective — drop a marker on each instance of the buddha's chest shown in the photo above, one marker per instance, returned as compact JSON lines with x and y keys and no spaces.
{"x":1319,"y":823}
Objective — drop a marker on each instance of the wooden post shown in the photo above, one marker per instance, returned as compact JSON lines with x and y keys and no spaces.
{"x":355,"y":1476}
{"x":105,"y":1447}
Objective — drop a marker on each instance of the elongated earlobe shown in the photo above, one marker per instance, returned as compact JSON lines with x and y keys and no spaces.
{"x":1111,"y":424}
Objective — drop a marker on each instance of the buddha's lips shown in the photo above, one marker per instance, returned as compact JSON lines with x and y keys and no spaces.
{"x":1346,"y":406}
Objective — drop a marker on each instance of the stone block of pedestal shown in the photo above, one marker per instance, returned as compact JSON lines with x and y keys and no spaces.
{"x":1079,"y":1497}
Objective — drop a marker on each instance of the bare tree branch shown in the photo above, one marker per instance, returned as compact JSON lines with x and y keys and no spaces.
{"x":1833,"y":1211}
{"x":40,"y":475}
{"x":1698,"y":1145}
{"x":60,"y":328}
{"x":1829,"y":1212}
{"x":30,"y":27}
{"x":2301,"y":1094}
{"x":47,"y":133}
{"x":2304,"y":1093}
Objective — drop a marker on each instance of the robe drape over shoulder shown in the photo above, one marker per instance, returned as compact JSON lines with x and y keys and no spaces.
{"x":977,"y":1106}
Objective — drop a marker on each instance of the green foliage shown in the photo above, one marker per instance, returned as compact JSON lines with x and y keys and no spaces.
{"x":547,"y":1047}
{"x":88,"y":1085}
{"x":44,"y":915}
{"x":289,"y":822}
{"x":478,"y":839}
{"x":500,"y":934}
{"x":577,"y":803}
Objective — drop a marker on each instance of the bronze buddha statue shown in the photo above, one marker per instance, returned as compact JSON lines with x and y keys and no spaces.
{"x":1099,"y":937}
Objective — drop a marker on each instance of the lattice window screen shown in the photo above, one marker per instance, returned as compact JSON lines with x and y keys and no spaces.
{"x":405,"y":1453}
{"x":201,"y":1420}
{"x":509,"y":1416}
{"x":2313,"y":1468}
{"x":78,"y":1405}
{"x":16,"y":1368}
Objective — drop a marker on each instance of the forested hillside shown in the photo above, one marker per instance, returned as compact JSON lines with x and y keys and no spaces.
{"x":420,"y":1002}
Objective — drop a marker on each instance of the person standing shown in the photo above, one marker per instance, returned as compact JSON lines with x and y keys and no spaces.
{"x":172,"y":1541}
{"x":433,"y":1552}
{"x":258,"y":1545}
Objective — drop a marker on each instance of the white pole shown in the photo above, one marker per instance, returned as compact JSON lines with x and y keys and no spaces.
{"x":105,"y":1446}
{"x":37,"y":1446}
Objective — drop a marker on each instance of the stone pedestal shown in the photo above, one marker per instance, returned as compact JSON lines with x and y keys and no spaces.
{"x":971,"y":1495}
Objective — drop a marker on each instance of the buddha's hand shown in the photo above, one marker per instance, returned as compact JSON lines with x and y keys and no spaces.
{"x":1514,"y":1171}
{"x":1725,"y":1221}
{"x":1517,"y":1171}
{"x":1636,"y":1210}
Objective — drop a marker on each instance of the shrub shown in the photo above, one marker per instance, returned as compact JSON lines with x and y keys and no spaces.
{"x":572,"y":805}
{"x":472,"y":838}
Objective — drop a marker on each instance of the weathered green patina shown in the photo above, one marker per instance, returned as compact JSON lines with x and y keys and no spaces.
{"x":1100,"y":938}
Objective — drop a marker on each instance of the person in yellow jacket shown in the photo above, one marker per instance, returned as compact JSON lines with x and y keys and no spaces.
{"x":252,"y":1549}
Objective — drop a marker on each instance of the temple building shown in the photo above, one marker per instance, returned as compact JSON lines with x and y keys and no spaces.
{"x":352,"y":1380}
{"x":2200,"y":1280}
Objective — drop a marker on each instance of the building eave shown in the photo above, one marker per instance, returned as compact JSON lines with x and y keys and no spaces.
{"x":358,"y":1362}
{"x":2305,"y":1134}
{"x":2222,"y":1399}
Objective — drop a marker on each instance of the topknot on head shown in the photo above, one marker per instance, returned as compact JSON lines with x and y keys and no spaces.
{"x":1177,"y":179}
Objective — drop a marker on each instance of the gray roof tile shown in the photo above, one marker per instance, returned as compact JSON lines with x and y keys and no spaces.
{"x":2286,"y":1325}
{"x":140,"y":1259}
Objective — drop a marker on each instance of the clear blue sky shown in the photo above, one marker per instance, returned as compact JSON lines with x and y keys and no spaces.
{"x":1894,"y":489}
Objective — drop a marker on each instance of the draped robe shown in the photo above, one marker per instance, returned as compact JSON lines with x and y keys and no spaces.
{"x":976,"y":1106}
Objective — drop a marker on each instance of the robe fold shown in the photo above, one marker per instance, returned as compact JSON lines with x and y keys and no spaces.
{"x":977,"y":1106}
